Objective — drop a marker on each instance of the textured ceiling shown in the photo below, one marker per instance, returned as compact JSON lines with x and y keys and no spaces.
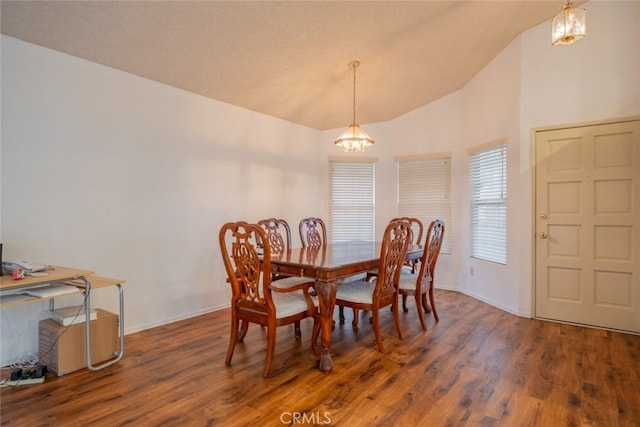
{"x":287,"y":59}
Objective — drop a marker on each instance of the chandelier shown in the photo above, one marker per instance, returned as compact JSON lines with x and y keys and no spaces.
{"x":354,"y":139}
{"x":569,"y":26}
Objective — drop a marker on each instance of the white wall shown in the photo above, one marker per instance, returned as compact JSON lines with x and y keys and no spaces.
{"x":131,"y":178}
{"x":490,"y":113}
{"x":106,"y":171}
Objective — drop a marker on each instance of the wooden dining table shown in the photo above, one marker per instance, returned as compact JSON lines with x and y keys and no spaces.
{"x":326,"y":264}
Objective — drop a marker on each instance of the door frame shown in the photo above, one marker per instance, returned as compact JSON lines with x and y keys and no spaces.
{"x":533,"y":133}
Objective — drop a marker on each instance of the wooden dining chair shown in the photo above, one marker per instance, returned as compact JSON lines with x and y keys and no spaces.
{"x":412,"y":265}
{"x":278,"y":234}
{"x":313,"y":232}
{"x":382,"y":290}
{"x":417,"y":228}
{"x":255,"y":298}
{"x":421,"y":283}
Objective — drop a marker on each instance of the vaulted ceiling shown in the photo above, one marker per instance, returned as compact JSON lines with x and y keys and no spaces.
{"x":287,"y":59}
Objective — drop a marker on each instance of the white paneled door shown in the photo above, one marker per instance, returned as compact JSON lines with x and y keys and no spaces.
{"x":587,"y":205}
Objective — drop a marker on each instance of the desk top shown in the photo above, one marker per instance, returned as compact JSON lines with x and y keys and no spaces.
{"x":58,"y":273}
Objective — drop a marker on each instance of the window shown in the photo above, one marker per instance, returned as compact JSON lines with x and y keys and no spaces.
{"x":424,"y":192}
{"x":352,"y":201}
{"x":488,"y":188}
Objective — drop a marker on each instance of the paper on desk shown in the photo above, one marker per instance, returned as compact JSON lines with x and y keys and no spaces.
{"x":49,"y":290}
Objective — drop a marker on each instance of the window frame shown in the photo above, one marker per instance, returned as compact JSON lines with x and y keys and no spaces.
{"x":488,"y":196}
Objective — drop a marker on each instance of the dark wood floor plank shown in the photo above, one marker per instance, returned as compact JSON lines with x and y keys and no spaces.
{"x":478,"y":366}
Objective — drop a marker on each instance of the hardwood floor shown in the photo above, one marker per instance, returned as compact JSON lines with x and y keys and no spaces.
{"x":478,"y":366}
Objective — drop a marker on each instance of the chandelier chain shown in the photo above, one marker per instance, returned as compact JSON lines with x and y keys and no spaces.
{"x":354,"y":64}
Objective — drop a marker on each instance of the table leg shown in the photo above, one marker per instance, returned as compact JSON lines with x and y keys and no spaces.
{"x":327,"y":299}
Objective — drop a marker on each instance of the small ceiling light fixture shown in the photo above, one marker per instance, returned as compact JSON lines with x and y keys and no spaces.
{"x":354,"y":139}
{"x":569,"y":26}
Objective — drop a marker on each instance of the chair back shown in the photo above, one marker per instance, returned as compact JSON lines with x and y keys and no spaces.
{"x":395,"y":243}
{"x":416,"y":227}
{"x":312,"y":232}
{"x":435,"y":234}
{"x":278,"y":234}
{"x":245,"y":270}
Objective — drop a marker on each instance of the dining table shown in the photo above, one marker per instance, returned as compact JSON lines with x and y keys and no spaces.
{"x":327,"y":264}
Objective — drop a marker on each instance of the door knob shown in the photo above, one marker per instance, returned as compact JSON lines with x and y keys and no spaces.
{"x":543,"y":234}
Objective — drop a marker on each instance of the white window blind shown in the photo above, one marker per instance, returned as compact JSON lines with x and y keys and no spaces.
{"x":352,"y":201}
{"x":424,"y":192}
{"x":488,"y":185}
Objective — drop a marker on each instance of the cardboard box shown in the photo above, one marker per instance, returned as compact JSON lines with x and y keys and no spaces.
{"x":63,"y":348}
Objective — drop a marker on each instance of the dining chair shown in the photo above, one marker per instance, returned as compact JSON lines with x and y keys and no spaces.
{"x":417,"y":228}
{"x":255,"y":298}
{"x":382,"y":290}
{"x":278,"y":234}
{"x":313,"y":232}
{"x":421,"y":283}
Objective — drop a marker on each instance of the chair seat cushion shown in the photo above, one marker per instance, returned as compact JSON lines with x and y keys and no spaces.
{"x":407,"y":281}
{"x":359,"y":291}
{"x":289,"y":282}
{"x":290,"y":303}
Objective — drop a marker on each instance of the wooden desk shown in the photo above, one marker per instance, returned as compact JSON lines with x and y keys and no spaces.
{"x":85,"y":281}
{"x":326,"y":265}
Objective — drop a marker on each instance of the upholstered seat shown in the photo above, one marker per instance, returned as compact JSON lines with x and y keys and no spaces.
{"x":359,"y":291}
{"x":290,"y":281}
{"x":408,"y":279}
{"x":290,"y":303}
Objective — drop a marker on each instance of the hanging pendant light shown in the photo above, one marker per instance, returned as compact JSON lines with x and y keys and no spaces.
{"x":354,"y":139}
{"x":569,"y":26}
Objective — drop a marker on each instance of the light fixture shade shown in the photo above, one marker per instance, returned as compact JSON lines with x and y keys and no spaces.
{"x":568,"y":26}
{"x":354,"y":139}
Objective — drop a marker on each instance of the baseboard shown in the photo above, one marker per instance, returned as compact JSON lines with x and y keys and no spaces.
{"x":185,"y":316}
{"x":485,"y":300}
